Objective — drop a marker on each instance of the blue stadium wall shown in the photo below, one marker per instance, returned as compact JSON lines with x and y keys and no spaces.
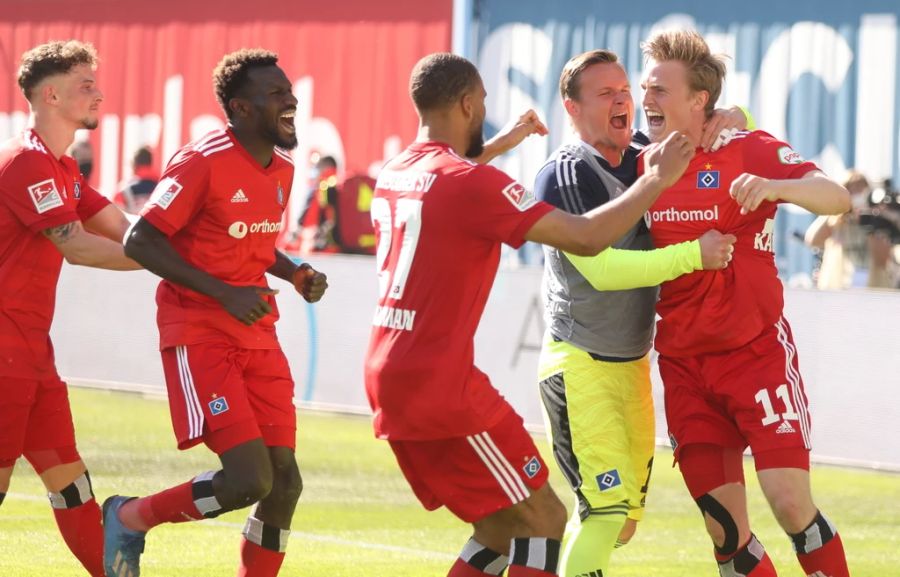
{"x":822,"y":75}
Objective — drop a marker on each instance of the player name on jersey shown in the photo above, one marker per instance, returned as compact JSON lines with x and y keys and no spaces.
{"x":405,"y":180}
{"x":394,"y":318}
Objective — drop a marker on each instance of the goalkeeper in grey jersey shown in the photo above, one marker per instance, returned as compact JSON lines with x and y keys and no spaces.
{"x":594,"y":366}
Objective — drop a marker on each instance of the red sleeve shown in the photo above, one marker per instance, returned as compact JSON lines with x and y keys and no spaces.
{"x":34,"y":194}
{"x":91,"y":202}
{"x":180,"y":193}
{"x":766,"y":156}
{"x":499,"y":208}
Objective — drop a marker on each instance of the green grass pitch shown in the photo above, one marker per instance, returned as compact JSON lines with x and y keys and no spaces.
{"x":358,"y":517}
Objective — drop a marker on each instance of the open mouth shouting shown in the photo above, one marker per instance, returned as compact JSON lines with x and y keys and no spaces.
{"x":656,"y":123}
{"x":619,"y":121}
{"x":286,"y":121}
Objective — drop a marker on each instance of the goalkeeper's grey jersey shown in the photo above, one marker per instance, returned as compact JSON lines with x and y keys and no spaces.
{"x":616,"y":324}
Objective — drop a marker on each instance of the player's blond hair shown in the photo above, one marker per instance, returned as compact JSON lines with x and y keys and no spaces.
{"x":52,"y":58}
{"x":570,"y":79}
{"x":705,"y":71}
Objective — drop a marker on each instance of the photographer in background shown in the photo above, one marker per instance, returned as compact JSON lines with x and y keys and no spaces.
{"x":882,"y":224}
{"x":857,"y":246}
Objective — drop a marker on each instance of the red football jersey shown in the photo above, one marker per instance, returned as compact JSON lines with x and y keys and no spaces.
{"x":37,"y":192}
{"x":439,"y":221}
{"x":222,"y":212}
{"x":713,"y":311}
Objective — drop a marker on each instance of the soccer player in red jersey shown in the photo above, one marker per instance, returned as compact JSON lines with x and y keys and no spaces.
{"x":440,"y":219}
{"x":47,"y":213}
{"x":727,"y":357}
{"x":209,"y":230}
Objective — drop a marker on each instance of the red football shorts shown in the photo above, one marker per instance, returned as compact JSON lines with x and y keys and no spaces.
{"x":477,"y":475}
{"x":224,"y":396}
{"x":748,"y":396}
{"x":35,"y":418}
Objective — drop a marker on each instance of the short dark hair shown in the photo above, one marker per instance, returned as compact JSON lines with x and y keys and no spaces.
{"x":230,"y":74}
{"x":326,"y":161}
{"x":439,"y":79}
{"x":57,"y":57}
{"x":570,"y":79}
{"x":143,"y":156}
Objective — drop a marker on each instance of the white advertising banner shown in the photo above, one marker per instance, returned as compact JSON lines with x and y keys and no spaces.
{"x":105,"y":335}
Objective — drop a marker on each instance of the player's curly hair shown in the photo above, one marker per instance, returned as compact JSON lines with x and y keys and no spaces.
{"x":439,"y":79}
{"x":705,"y":70}
{"x":52,"y":58}
{"x":230,"y":74}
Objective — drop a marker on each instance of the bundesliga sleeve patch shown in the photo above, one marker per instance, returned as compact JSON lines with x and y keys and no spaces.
{"x":520,"y":197}
{"x":788,"y":155}
{"x":165,"y":192}
{"x":45,"y":196}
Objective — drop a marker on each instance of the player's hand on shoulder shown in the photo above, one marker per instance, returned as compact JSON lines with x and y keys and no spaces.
{"x":721,"y":127}
{"x":716,"y":249}
{"x":750,"y":191}
{"x":310,"y":283}
{"x":246,"y":303}
{"x":668,"y":159}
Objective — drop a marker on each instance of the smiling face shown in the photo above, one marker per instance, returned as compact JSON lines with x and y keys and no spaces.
{"x":272,"y":105}
{"x":669,"y":102}
{"x":77,"y":96}
{"x":603,"y":112}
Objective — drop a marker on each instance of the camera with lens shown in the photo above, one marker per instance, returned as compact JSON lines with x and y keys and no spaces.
{"x":883,"y":212}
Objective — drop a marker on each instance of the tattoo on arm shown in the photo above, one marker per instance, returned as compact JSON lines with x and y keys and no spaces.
{"x":62,"y":233}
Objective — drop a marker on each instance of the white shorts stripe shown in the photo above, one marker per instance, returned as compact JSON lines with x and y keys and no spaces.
{"x":492,"y":467}
{"x":499,"y":467}
{"x":512,"y":470}
{"x":793,"y":379}
{"x":195,"y":413}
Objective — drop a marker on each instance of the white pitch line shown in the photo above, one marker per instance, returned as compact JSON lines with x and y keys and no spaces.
{"x":304,"y":536}
{"x":351,"y":543}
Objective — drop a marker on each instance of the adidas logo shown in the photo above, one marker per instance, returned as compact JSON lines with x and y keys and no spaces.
{"x":784,"y":428}
{"x":597,"y":573}
{"x":239,"y":196}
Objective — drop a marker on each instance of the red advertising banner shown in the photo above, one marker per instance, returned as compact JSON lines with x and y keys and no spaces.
{"x":349,"y":61}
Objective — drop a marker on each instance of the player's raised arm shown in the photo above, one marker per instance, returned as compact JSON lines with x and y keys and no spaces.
{"x":594,"y":231}
{"x":511,"y":135}
{"x":149,"y":246}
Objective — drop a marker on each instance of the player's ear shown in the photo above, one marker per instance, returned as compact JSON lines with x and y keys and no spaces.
{"x":571,"y":106}
{"x":467,"y":103}
{"x":701,"y":97}
{"x":238,"y":107}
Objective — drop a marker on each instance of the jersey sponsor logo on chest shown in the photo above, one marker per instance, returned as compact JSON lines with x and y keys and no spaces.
{"x":673,"y":214}
{"x":239,"y":229}
{"x":45,"y":196}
